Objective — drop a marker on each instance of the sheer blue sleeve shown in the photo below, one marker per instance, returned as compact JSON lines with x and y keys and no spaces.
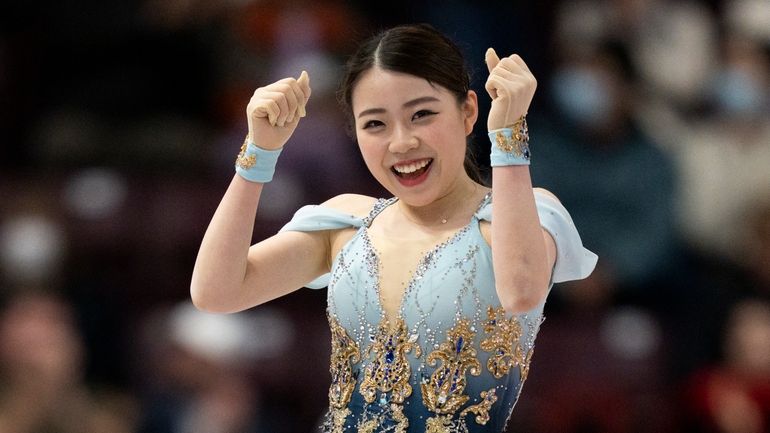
{"x":314,"y":218}
{"x":573,"y":261}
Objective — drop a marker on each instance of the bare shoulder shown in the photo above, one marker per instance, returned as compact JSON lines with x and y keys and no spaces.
{"x":353,"y":204}
{"x":545,"y":192}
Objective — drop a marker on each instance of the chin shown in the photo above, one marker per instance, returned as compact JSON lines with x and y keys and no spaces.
{"x":414,"y":197}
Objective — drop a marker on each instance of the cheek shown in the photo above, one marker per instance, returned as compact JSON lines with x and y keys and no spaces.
{"x":372,"y":155}
{"x":452,"y":141}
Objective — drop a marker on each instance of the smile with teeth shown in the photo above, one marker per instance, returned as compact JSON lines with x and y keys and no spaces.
{"x":412,"y":169}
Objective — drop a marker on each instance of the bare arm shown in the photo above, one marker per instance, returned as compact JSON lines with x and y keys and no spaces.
{"x":523,"y":253}
{"x":229,"y":275}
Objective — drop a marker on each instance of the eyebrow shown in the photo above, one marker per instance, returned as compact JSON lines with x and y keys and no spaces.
{"x":407,"y":104}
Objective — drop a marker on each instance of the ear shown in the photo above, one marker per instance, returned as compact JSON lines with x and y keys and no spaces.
{"x":470,"y":110}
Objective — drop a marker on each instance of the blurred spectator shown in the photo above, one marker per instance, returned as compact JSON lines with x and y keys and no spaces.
{"x":733,"y":396}
{"x":724,"y":158}
{"x":202,"y":371}
{"x":613,"y":178}
{"x":41,"y":372}
{"x":757,"y":245}
{"x":600,"y":368}
{"x":670,"y":42}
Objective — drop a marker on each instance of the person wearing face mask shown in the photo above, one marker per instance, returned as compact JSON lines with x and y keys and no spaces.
{"x":724,"y":157}
{"x":436,"y":294}
{"x":617,"y":184}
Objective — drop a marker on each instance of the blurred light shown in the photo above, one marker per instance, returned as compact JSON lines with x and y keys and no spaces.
{"x":631,"y":333}
{"x":750,"y":17}
{"x":95,"y":193}
{"x":31,"y":248}
{"x":229,"y":338}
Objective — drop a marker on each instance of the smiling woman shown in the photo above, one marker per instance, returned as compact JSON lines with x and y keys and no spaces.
{"x":434,"y":296}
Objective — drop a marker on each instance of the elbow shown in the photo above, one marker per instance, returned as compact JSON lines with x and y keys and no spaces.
{"x":522,"y":297}
{"x":199,"y":299}
{"x":521,"y":305}
{"x":206,"y":300}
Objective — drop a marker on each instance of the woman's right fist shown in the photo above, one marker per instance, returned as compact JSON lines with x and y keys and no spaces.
{"x":274,"y":111}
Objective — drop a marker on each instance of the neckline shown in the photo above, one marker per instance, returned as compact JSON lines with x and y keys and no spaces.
{"x":381,"y":204}
{"x":373,"y":257}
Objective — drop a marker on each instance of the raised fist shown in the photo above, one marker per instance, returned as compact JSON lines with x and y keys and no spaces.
{"x":511,"y":86}
{"x":274,"y":111}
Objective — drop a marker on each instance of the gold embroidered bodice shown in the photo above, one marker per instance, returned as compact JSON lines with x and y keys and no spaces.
{"x":451,"y":360}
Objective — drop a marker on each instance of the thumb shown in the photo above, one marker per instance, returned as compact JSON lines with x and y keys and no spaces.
{"x":304,"y":84}
{"x":491,"y":58}
{"x":304,"y":79}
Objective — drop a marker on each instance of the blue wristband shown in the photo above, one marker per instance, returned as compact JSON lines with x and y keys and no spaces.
{"x":256,"y":164}
{"x":510,"y":146}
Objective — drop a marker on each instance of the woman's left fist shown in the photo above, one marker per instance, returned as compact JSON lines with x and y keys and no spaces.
{"x":511,"y":86}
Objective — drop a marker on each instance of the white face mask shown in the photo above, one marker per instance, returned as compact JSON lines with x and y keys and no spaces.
{"x":736,"y":92}
{"x":581,"y":95}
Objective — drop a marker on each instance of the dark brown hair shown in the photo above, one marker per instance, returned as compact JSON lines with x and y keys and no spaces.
{"x":416,"y":49}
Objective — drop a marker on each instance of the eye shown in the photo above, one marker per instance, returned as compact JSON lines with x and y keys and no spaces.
{"x":423,"y":113}
{"x":372,"y":124}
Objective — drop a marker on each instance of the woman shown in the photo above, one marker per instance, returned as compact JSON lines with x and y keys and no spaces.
{"x":434,"y":295}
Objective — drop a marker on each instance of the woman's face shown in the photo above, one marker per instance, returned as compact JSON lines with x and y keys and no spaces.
{"x":412,"y":134}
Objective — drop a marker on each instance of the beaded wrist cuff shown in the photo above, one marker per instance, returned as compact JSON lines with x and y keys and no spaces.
{"x":256,"y":164}
{"x":510,"y":145}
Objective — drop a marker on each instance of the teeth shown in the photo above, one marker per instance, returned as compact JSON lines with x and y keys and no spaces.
{"x":411,"y":168}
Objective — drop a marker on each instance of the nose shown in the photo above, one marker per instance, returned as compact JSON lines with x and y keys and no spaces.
{"x":403,"y":140}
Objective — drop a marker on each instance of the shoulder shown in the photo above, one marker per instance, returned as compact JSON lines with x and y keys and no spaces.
{"x":353,"y":204}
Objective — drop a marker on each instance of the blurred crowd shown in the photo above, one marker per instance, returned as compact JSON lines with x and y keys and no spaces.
{"x":120,"y":122}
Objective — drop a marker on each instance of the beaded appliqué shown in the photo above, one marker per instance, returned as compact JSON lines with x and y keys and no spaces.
{"x":391,"y":420}
{"x":443,"y":394}
{"x":345,"y":352}
{"x":518,"y":142}
{"x":439,"y":424}
{"x":503,"y":344}
{"x":389,"y":369}
{"x":445,"y":423}
{"x":243,"y":161}
{"x":481,"y":409}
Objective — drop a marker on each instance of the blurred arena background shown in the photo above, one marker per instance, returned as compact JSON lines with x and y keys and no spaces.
{"x":120,"y":122}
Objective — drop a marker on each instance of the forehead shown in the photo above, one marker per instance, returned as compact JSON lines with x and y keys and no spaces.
{"x":379,"y":88}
